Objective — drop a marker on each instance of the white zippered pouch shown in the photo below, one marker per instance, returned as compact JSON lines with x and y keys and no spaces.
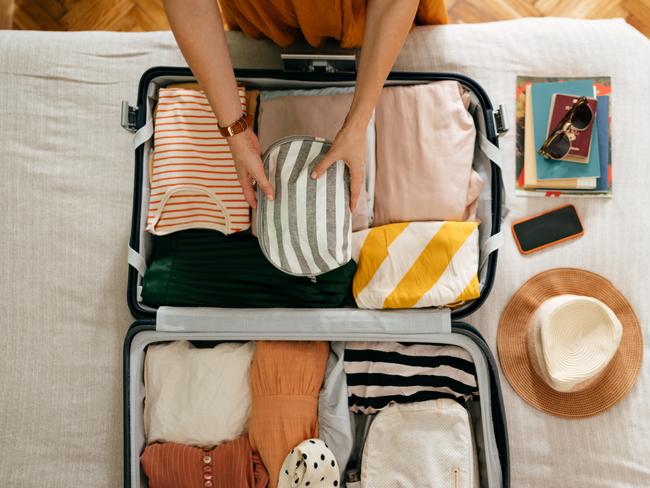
{"x":431,"y":446}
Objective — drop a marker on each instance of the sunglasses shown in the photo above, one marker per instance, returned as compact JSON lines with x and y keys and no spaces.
{"x":578,"y":119}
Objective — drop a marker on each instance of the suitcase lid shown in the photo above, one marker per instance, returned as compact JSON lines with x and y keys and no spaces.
{"x":336,"y":71}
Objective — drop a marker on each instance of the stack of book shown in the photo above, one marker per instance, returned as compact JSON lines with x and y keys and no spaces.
{"x":587,"y":169}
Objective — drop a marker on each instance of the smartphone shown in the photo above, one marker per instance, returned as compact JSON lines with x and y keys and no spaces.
{"x":546,"y":229}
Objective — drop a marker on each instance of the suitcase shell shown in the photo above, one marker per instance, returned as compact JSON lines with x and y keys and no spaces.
{"x":439,"y":325}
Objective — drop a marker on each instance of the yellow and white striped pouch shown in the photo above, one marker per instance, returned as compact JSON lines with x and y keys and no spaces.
{"x":416,"y":264}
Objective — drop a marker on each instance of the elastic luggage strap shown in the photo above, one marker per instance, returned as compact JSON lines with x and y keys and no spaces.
{"x":495,"y":241}
{"x":493,"y":153}
{"x":137,"y":260}
{"x":143,"y":134}
{"x":490,"y":150}
{"x":492,"y":243}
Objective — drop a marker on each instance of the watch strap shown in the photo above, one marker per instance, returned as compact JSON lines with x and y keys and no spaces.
{"x":237,"y":127}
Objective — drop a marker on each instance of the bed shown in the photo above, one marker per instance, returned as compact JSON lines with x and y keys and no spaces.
{"x":66,"y":178}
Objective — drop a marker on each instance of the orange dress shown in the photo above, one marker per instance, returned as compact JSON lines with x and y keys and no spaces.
{"x":283,"y":21}
{"x":286,"y":378}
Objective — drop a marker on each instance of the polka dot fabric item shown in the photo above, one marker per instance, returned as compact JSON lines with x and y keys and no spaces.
{"x":309,"y":464}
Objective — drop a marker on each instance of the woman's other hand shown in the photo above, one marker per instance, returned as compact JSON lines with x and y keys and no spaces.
{"x":350,"y":147}
{"x":387,"y":24}
{"x":245,"y":148}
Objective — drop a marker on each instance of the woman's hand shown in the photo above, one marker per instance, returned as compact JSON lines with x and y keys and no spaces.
{"x":350,"y":147}
{"x":245,"y":148}
{"x":387,"y":24}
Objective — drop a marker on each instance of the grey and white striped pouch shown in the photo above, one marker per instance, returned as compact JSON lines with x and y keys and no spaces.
{"x":306,"y":230}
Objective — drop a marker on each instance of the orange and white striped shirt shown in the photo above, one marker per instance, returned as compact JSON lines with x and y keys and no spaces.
{"x":193,"y":179}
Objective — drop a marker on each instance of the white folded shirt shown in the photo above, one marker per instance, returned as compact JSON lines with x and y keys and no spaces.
{"x":197,"y":396}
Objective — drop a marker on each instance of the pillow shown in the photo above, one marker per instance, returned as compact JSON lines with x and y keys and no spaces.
{"x":306,"y":230}
{"x":189,"y":399}
{"x":417,"y":264}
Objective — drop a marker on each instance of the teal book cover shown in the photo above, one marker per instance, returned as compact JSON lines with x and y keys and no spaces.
{"x":548,"y":168}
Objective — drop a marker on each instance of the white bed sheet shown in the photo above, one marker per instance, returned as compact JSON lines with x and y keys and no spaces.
{"x":66,"y":177}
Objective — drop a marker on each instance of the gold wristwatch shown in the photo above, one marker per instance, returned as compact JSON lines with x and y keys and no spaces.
{"x":237,"y":127}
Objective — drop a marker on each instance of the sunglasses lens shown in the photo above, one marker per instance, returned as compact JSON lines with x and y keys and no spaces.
{"x":582,"y":117}
{"x":559,"y":146}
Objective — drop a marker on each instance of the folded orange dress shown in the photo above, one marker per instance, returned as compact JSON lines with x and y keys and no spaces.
{"x":286,"y":378}
{"x":283,"y":21}
{"x":229,"y":465}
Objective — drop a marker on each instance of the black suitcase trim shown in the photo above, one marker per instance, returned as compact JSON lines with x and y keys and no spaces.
{"x":136,"y":328}
{"x":497,"y":187}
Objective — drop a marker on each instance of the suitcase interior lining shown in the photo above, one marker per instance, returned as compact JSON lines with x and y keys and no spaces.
{"x":480,"y":411}
{"x":481,"y":163}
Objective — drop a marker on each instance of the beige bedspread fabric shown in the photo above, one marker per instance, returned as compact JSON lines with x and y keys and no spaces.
{"x":66,"y":177}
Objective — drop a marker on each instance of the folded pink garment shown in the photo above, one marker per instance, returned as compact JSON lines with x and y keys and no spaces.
{"x":311,"y":115}
{"x":425,"y":150}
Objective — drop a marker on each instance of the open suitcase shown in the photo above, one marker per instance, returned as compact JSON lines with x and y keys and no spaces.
{"x":436,"y":326}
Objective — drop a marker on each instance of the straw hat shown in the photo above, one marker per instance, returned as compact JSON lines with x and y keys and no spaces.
{"x":569,"y":343}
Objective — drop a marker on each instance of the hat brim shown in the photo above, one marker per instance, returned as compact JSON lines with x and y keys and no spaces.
{"x":614,"y":382}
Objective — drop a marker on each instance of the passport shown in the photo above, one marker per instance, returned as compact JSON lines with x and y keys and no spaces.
{"x":548,"y":169}
{"x":580,"y":146}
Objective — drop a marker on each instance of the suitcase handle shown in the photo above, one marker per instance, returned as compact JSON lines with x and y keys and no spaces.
{"x":319,"y":63}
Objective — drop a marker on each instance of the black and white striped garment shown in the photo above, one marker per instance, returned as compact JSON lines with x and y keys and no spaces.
{"x":306,"y":230}
{"x":381,"y":373}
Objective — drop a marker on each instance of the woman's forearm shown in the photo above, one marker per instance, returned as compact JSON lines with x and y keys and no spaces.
{"x":387,"y":24}
{"x":199,"y":32}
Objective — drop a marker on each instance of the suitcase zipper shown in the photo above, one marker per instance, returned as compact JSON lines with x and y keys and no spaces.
{"x":456,"y":478}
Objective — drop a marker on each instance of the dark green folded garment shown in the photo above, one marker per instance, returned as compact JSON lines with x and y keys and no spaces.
{"x":207,"y":268}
